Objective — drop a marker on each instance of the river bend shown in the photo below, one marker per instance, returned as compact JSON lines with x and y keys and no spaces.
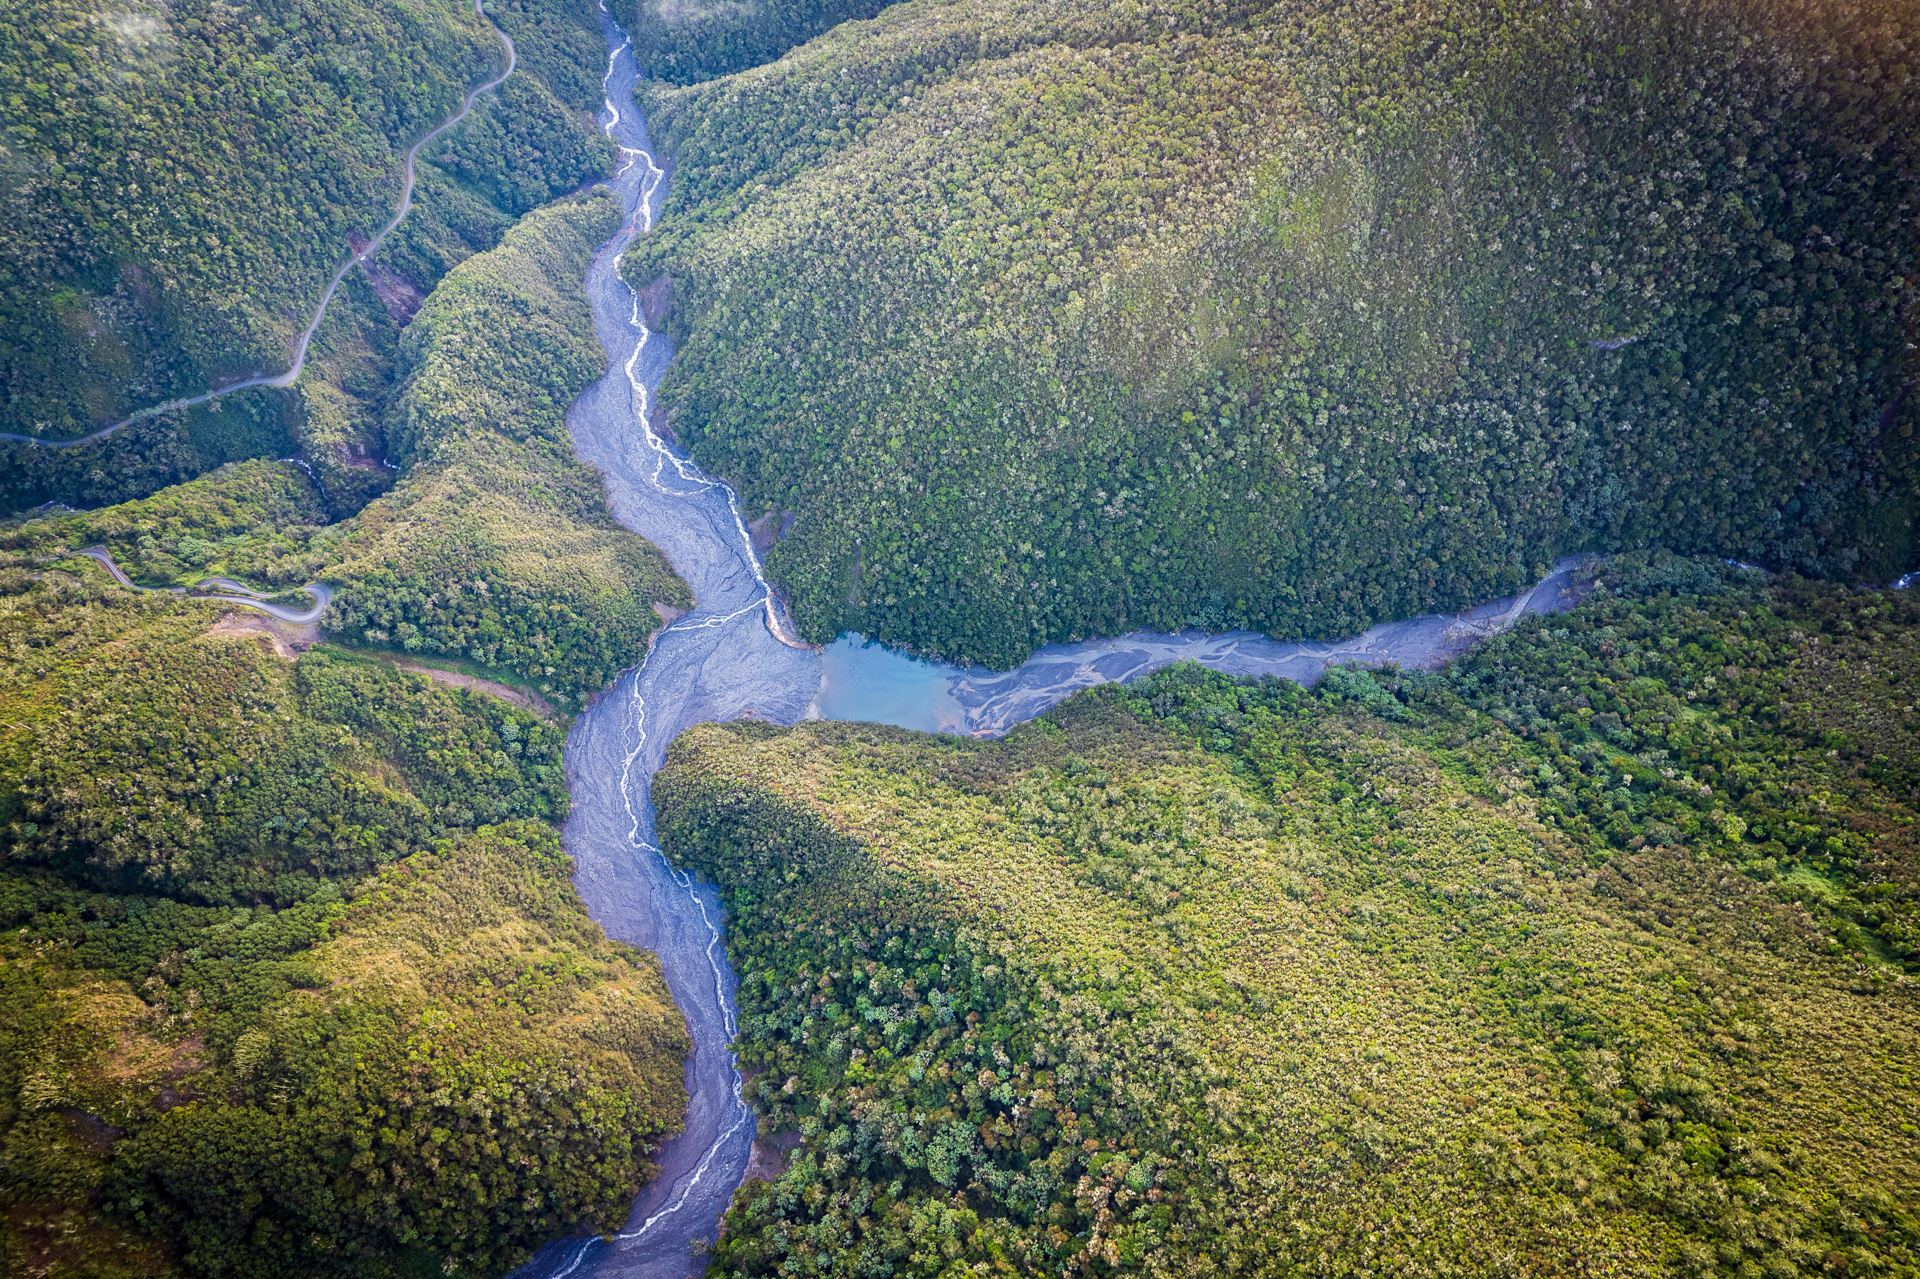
{"x":735,"y":655}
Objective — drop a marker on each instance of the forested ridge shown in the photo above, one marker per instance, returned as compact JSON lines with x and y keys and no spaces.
{"x":493,"y":547}
{"x":183,"y":181}
{"x":1051,"y":320}
{"x":1591,"y":953}
{"x":140,"y":317}
{"x":497,"y":544}
{"x":249,"y":521}
{"x":295,"y":981}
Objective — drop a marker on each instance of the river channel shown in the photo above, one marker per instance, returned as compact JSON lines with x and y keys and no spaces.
{"x":734,"y":656}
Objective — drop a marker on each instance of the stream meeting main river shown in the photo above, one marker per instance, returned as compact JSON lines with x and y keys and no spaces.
{"x":734,"y":655}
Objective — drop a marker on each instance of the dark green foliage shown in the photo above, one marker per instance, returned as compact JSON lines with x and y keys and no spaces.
{"x":560,"y":44}
{"x":530,"y":140}
{"x":524,"y":147}
{"x":1201,"y":975}
{"x":147,"y":456}
{"x":181,"y":182}
{"x":1051,"y":320}
{"x":449,"y":1060}
{"x":687,"y":41}
{"x":497,"y":545}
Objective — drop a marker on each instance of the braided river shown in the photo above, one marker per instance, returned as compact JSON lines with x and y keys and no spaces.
{"x":736,"y":655}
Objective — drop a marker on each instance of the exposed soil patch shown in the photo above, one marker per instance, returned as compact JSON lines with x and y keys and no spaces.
{"x":668,"y":613}
{"x":771,"y":1155}
{"x":654,"y":301}
{"x":657,"y":420}
{"x":396,"y":293}
{"x":355,"y":455}
{"x":505,"y":692}
{"x":399,"y":295}
{"x":284,"y":639}
{"x":770,"y":528}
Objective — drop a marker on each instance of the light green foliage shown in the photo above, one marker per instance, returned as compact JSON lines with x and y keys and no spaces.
{"x":146,"y":755}
{"x":288,"y":983}
{"x":447,"y":1061}
{"x":1198,"y":975}
{"x":497,"y":544}
{"x":250,"y":521}
{"x":1055,"y":319}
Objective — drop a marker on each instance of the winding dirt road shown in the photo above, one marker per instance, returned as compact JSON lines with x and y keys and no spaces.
{"x":293,"y":371}
{"x":320,"y":592}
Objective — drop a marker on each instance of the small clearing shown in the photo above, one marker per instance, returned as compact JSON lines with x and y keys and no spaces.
{"x":287,"y":639}
{"x":506,"y":692}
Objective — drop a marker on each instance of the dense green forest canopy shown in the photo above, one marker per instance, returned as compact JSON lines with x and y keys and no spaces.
{"x":294,"y":981}
{"x":146,"y":339}
{"x":181,"y":180}
{"x":1590,"y":954}
{"x":687,"y":41}
{"x":1051,"y":319}
{"x":495,"y":547}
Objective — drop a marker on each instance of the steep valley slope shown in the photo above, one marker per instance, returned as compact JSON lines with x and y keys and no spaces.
{"x":184,"y":184}
{"x":295,"y":979}
{"x":1590,"y":954}
{"x":1050,"y":319}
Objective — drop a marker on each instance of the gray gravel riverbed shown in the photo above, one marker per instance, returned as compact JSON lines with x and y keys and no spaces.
{"x":734,"y":655}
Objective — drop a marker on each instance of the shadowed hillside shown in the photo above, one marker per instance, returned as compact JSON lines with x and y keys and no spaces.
{"x":1052,"y":319}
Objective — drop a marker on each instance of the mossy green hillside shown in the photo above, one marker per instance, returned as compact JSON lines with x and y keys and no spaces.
{"x":295,"y":979}
{"x":526,"y":142}
{"x":497,"y":544}
{"x":1057,"y":319}
{"x":1584,"y":955}
{"x":184,"y":181}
